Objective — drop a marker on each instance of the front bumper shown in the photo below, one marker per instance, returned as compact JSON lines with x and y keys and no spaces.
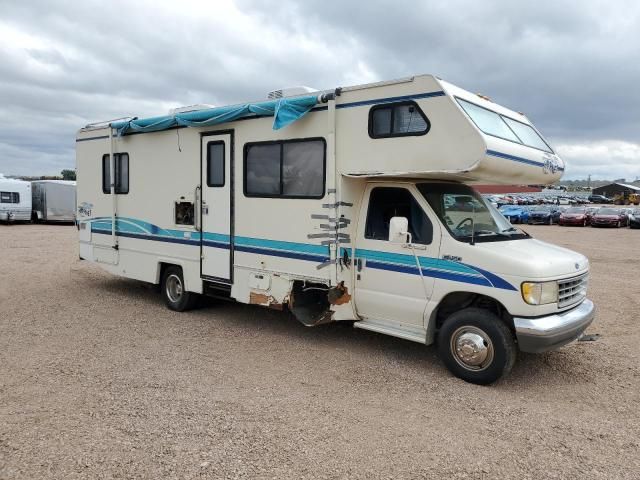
{"x":538,"y":220}
{"x":541,"y":334}
{"x":572,"y":221}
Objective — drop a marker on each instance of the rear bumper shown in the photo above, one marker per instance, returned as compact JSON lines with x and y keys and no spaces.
{"x":541,"y":334}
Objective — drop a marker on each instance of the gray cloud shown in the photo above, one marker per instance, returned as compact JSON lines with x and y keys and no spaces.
{"x":574,"y":71}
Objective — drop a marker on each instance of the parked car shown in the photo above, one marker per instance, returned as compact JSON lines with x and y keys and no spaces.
{"x":574,"y":216}
{"x":599,"y":199}
{"x":634,"y":219}
{"x":515,"y":213}
{"x":609,"y":217}
{"x":590,"y":212}
{"x":544,"y":214}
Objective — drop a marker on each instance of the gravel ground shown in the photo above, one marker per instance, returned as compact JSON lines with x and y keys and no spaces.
{"x":99,"y":380}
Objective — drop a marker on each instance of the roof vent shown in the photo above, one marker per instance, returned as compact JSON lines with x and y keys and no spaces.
{"x":190,"y":108}
{"x":290,"y":92}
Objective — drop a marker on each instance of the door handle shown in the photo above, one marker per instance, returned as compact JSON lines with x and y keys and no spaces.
{"x":198,"y":206}
{"x":359,"y":264}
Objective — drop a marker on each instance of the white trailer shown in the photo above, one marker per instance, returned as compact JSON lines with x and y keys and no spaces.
{"x":54,"y":200}
{"x":15,"y":200}
{"x":354,"y":204}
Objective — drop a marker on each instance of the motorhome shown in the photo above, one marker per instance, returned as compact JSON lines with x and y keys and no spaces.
{"x":54,"y":201}
{"x":352,"y":204}
{"x":15,"y":200}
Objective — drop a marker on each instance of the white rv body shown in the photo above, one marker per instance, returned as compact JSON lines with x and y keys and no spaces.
{"x":15,"y":200}
{"x":278,"y":250}
{"x":54,"y":200}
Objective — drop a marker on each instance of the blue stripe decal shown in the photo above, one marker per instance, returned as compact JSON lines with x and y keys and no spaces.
{"x":430,"y":273}
{"x":375,"y":101}
{"x":392,"y":262}
{"x":283,"y":254}
{"x":514,"y":158}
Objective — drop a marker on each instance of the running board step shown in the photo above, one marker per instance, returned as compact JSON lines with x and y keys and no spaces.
{"x":216,"y":290}
{"x":415,"y":334}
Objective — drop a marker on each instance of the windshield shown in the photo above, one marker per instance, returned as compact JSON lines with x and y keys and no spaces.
{"x":467,"y":215}
{"x":608,"y":211}
{"x":575,"y":210}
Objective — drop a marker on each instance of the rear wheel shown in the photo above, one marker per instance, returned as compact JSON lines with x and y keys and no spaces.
{"x":174,"y":293}
{"x":476,"y":346}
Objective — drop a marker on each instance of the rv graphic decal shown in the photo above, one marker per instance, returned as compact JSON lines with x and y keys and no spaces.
{"x":552,"y":164}
{"x":84,"y":209}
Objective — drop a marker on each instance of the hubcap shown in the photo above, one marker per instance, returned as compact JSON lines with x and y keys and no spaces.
{"x":174,"y":288}
{"x":472,"y":348}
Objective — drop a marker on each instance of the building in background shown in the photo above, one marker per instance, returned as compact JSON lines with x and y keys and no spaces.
{"x":613,"y":189}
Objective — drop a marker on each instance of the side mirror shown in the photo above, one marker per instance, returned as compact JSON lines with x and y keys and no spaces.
{"x":398,"y":230}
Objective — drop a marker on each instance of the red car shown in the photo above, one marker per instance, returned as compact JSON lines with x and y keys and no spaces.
{"x":609,"y":217}
{"x":574,"y":216}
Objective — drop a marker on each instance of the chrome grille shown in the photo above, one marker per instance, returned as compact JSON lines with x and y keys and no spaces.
{"x":572,"y":290}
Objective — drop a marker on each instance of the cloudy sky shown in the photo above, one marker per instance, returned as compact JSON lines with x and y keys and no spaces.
{"x":572,"y":67}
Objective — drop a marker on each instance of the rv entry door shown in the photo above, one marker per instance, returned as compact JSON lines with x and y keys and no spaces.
{"x":216,"y":206}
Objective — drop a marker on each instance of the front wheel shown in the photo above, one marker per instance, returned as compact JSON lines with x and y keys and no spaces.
{"x":476,"y":346}
{"x":174,"y":292}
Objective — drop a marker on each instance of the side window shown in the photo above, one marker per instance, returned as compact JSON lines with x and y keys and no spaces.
{"x":122,"y":173}
{"x":215,"y":164}
{"x":388,"y":202}
{"x":9,"y":197}
{"x":397,"y":120}
{"x":286,"y":169}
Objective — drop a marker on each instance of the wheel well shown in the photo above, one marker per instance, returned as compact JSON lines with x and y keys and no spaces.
{"x":162,"y":267}
{"x":456,"y":301}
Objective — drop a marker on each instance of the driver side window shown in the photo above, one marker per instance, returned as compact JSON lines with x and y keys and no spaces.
{"x":388,"y":202}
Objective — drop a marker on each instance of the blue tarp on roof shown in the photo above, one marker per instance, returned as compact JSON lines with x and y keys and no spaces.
{"x":284,"y":110}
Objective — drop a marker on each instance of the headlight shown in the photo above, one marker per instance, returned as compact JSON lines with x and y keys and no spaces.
{"x":540,"y":293}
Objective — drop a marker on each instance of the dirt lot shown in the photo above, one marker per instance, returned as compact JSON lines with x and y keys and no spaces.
{"x":99,"y":380}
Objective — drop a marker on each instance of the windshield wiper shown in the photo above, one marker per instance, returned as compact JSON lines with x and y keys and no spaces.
{"x":514,"y":229}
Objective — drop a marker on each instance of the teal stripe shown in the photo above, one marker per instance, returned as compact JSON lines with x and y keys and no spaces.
{"x":409,"y":260}
{"x":281,"y":245}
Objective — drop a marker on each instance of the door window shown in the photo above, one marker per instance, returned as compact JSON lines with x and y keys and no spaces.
{"x":388,"y":202}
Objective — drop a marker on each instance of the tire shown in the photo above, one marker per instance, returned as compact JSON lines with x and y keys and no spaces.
{"x":172,"y":288}
{"x":618,"y":224}
{"x":550,"y":220}
{"x":584,"y":222}
{"x":477,"y":325}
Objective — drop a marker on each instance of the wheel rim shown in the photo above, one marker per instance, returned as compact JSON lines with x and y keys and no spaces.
{"x":472,"y":348}
{"x":174,"y":288}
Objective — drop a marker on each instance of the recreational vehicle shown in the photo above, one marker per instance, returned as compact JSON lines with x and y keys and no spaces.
{"x":54,"y":200}
{"x":354,"y":204}
{"x":15,"y":200}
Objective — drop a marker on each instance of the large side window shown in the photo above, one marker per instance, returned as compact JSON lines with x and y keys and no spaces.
{"x":215,"y":164}
{"x":286,"y":169}
{"x":122,"y":173}
{"x":388,"y":202}
{"x":9,"y":197}
{"x":397,"y":120}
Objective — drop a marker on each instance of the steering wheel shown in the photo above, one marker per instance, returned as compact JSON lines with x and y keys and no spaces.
{"x":465,"y":220}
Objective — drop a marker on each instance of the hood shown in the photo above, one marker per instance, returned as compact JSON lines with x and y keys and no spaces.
{"x":530,"y":258}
